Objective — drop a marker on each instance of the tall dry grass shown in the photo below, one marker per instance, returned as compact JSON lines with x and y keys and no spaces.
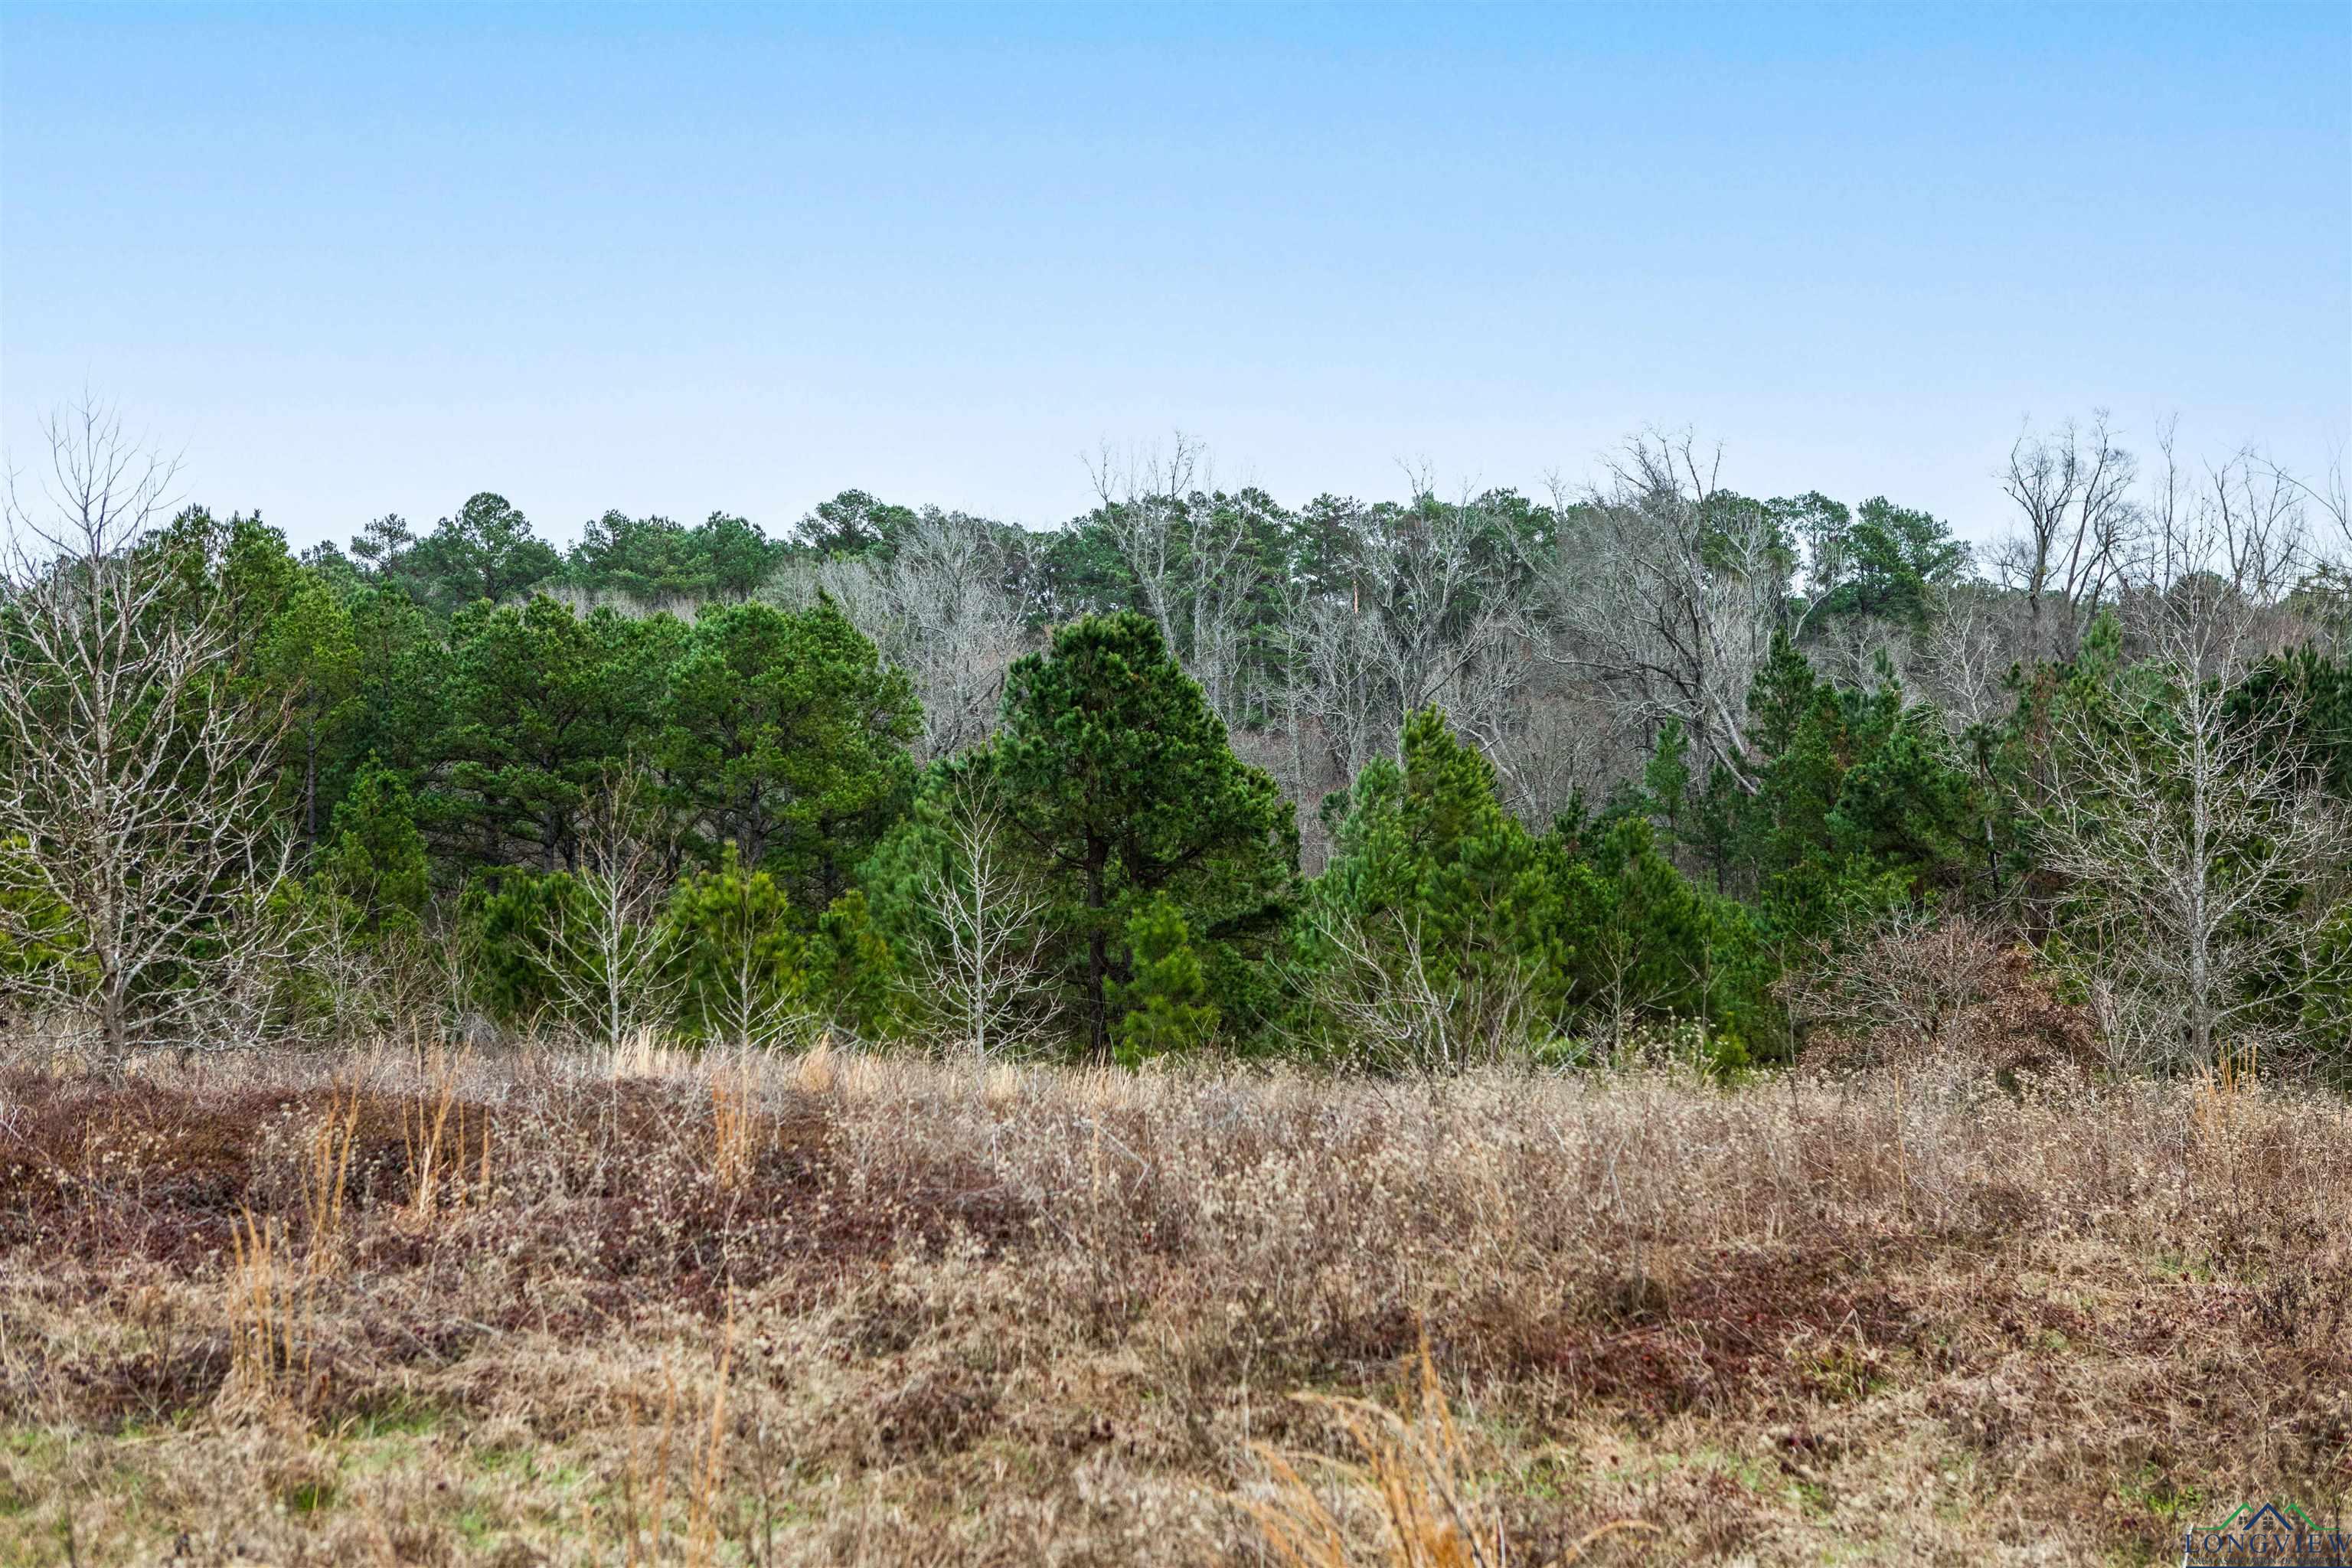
{"x":1007,"y":1314}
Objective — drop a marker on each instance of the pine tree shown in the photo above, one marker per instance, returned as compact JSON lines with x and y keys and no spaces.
{"x":374,"y":856}
{"x":543,"y":703}
{"x":1438,"y":901}
{"x":310,"y":655}
{"x":785,"y":733}
{"x":1167,"y":1006}
{"x":852,"y":970}
{"x":1118,"y":776}
{"x":745,"y":966}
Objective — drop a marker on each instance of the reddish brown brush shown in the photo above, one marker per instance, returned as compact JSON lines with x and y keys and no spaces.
{"x":934,"y":1313}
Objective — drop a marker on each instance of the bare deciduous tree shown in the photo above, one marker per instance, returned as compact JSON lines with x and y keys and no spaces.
{"x":941,"y":609}
{"x":135,"y":798}
{"x":2328,"y":493}
{"x":1969,"y":649}
{"x":1666,"y":597}
{"x":1899,"y":989}
{"x":2183,"y":825}
{"x":2080,"y":529}
{"x":1187,"y":547}
{"x":1396,"y":1014}
{"x":1425,"y":617}
{"x":990,"y":987}
{"x":606,"y":954}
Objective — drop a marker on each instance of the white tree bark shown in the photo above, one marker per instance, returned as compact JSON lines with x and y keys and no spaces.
{"x":2181,"y":825}
{"x":138,"y":849}
{"x":606,"y":955}
{"x":1666,"y":599}
{"x":989,"y":987}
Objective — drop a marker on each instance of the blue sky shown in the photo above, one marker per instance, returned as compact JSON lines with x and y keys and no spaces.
{"x":352,"y":261}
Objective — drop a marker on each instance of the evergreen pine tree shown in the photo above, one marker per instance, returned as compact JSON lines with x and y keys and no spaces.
{"x":1166,"y":1003}
{"x":1116,"y":774}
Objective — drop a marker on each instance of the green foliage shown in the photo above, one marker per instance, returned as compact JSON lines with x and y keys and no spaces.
{"x":444,"y":725}
{"x":2326,"y":991}
{"x":852,"y":523}
{"x":785,"y":733}
{"x":1666,"y":779}
{"x":37,"y":934}
{"x":1880,"y":562}
{"x":1165,"y":1007}
{"x":1116,"y":777}
{"x":1653,"y":947}
{"x":1859,"y":799}
{"x":487,"y":554}
{"x":852,"y":973}
{"x":652,"y":558}
{"x":1902,"y":560}
{"x":1433,"y":890}
{"x":2303,"y":700}
{"x":310,"y":656}
{"x":374,"y":854}
{"x":745,"y":966}
{"x":507,"y":916}
{"x":402,"y":699}
{"x":541,"y":703}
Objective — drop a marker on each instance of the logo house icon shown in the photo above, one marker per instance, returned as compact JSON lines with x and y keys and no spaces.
{"x":2255,"y":1537}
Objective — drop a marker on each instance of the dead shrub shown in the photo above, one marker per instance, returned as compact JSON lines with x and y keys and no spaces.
{"x":1914,"y":991}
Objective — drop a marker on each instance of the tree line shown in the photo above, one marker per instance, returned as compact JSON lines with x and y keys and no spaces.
{"x":1642,"y":765}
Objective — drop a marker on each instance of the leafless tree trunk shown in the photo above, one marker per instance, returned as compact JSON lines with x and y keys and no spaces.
{"x":943,"y":608}
{"x":2181,"y":825}
{"x":2079,"y":526}
{"x":1426,"y":619}
{"x":1187,"y":546}
{"x":2327,"y":494}
{"x":1142,"y":498}
{"x":1665,"y":598}
{"x":990,"y":988}
{"x":940,"y":610}
{"x":606,"y":955}
{"x":1968,"y":651}
{"x":135,"y":801}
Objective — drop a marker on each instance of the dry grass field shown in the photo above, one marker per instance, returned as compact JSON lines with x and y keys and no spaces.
{"x":533,"y":1309}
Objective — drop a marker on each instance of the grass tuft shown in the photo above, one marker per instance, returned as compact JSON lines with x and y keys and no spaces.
{"x":772,"y":1311}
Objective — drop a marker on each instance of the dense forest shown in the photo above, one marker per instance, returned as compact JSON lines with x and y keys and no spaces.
{"x":1644,"y":766}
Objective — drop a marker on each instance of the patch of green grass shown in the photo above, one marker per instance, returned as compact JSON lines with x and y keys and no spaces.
{"x":536,"y":1466}
{"x":399,"y":1417}
{"x":477,"y":1524}
{"x":1811,"y":1498}
{"x":374,"y":1456}
{"x":2158,"y":1492}
{"x":309,"y":1496}
{"x":36,"y":1444}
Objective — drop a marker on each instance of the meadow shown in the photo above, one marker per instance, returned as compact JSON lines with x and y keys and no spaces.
{"x":644,"y":1307}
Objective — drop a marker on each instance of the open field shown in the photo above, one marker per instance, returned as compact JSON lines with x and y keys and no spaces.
{"x":849,"y":1310}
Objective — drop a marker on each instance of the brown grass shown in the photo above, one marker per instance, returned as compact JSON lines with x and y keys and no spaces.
{"x":271,"y":1307}
{"x":1415,"y":1477}
{"x":842,"y":1310}
{"x":734,"y":1124}
{"x":443,"y":1149}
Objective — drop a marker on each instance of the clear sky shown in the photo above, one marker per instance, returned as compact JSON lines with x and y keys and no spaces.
{"x":354,"y":260}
